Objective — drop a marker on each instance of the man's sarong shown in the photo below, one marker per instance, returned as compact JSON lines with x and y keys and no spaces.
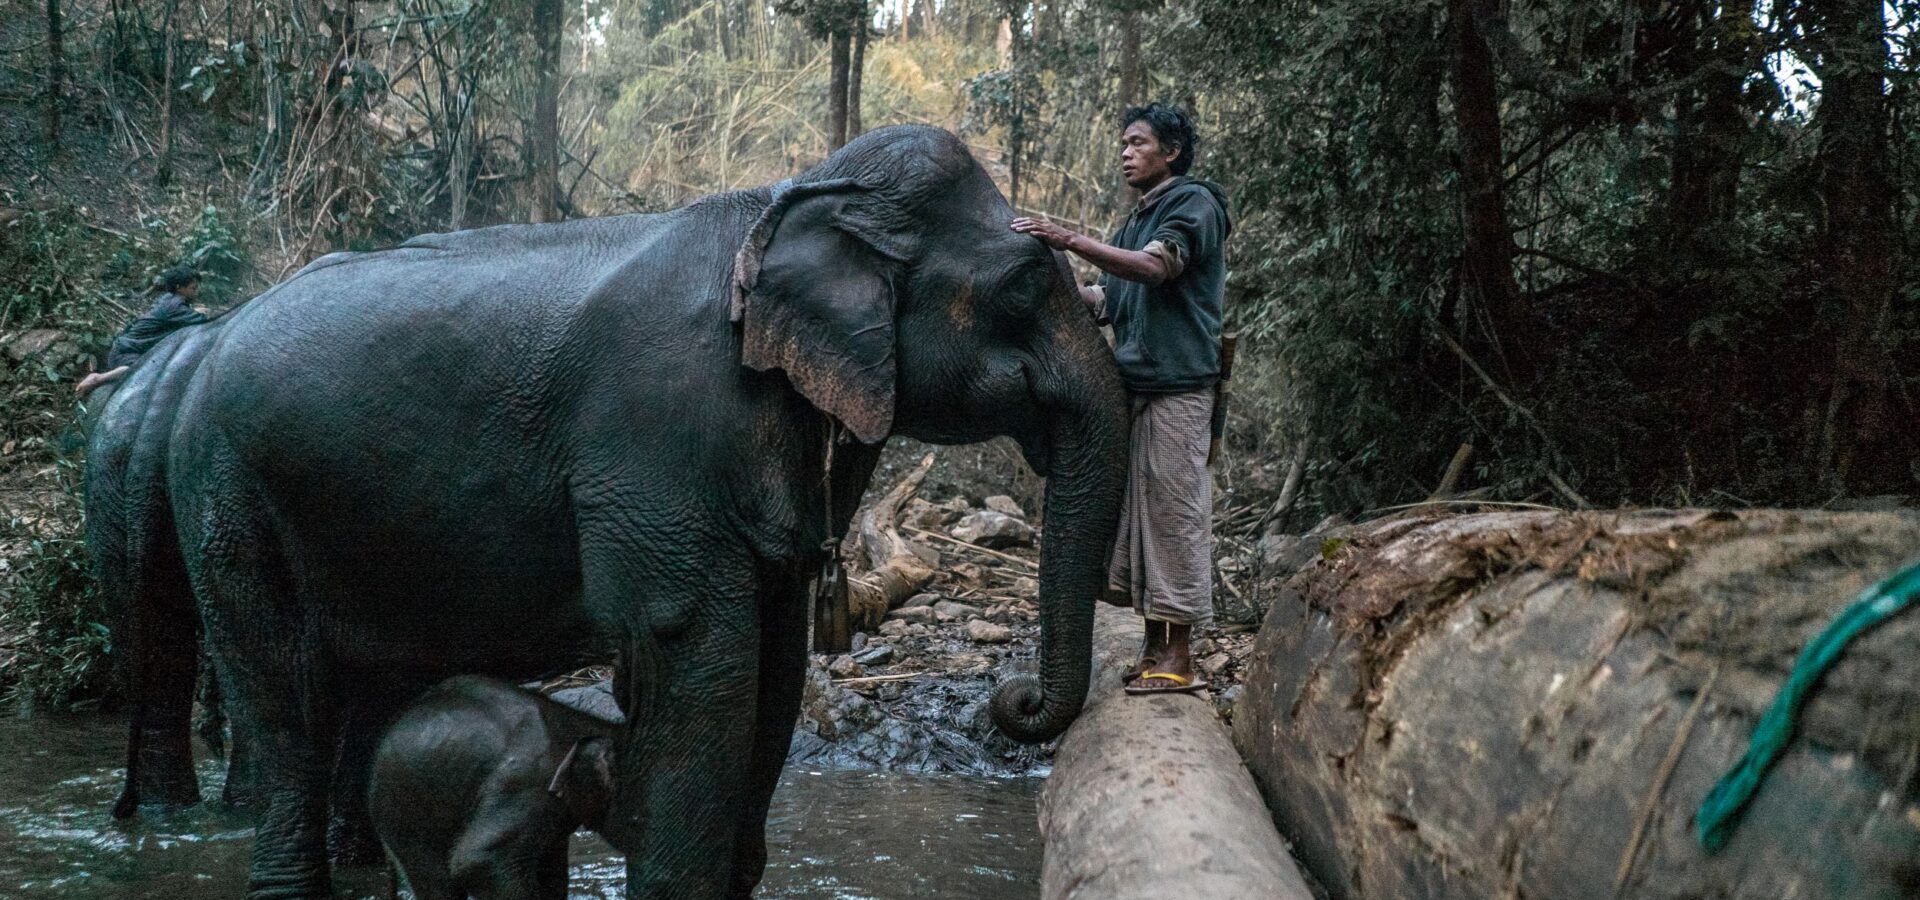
{"x":1163,"y":556}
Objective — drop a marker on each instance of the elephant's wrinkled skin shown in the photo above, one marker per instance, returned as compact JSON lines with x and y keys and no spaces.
{"x":478,"y":452}
{"x":137,"y":565}
{"x":477,"y":786}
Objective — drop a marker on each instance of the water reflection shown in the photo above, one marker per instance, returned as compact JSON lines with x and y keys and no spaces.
{"x":831,"y":836}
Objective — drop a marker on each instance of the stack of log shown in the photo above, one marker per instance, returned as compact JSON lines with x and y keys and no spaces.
{"x":1533,"y":704}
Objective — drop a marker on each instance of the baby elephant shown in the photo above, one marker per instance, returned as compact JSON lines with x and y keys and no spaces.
{"x":476,"y":788}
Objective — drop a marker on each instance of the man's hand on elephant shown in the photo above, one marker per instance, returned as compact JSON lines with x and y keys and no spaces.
{"x":1052,"y":235}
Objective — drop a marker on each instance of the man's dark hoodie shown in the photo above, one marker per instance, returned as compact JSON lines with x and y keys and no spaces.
{"x":1167,"y":336}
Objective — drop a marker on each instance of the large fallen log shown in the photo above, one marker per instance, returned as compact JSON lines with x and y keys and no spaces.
{"x":1149,"y":801}
{"x":1534,"y":704}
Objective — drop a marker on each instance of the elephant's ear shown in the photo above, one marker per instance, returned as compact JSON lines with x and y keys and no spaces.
{"x":813,"y":291}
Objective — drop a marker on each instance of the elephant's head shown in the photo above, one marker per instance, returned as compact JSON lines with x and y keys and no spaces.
{"x":886,"y":284}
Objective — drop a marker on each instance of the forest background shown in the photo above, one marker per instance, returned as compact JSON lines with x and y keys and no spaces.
{"x":1592,"y":253}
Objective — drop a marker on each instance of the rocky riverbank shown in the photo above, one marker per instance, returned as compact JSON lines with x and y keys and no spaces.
{"x":912,"y":695}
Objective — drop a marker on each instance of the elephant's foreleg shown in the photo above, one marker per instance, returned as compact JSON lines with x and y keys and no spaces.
{"x":691,"y":661}
{"x":783,"y":665}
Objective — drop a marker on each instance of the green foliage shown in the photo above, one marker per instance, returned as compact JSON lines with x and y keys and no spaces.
{"x":52,"y":607}
{"x":59,"y":271}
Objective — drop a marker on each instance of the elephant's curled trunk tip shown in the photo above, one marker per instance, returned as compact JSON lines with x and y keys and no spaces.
{"x":1021,"y":711}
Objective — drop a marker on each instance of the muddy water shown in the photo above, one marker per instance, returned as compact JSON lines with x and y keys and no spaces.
{"x":832,"y":835}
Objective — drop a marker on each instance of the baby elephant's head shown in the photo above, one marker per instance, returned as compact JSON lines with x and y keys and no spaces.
{"x":584,"y":780}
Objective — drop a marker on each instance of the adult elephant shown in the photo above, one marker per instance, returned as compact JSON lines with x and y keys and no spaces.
{"x":477,"y":451}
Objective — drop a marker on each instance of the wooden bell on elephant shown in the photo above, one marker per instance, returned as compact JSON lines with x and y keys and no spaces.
{"x":832,"y":615}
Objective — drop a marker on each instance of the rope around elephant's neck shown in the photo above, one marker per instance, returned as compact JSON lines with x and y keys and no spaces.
{"x":1720,"y":812}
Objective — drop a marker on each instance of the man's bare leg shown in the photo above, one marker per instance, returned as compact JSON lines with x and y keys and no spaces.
{"x":1168,"y":651}
{"x":94,"y":380}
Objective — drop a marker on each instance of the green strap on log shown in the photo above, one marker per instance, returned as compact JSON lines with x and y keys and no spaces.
{"x":1720,"y":812}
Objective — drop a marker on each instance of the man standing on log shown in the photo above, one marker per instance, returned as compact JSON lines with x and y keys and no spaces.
{"x":1162,"y":291}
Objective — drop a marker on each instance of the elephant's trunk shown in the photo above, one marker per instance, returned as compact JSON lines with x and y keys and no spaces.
{"x":1082,"y":508}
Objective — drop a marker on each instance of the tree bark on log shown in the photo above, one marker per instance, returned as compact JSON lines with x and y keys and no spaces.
{"x":1148,"y":799}
{"x":1508,"y":705}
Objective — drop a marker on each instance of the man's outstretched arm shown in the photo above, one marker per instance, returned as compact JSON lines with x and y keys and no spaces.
{"x":1132,"y":265}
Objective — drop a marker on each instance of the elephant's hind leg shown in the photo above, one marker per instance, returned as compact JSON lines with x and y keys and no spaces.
{"x":275,"y":678}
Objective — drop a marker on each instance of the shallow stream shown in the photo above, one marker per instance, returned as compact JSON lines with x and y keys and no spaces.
{"x":832,"y":835}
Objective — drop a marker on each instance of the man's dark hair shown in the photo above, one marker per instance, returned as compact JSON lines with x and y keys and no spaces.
{"x":178,"y":277}
{"x":1171,"y":126}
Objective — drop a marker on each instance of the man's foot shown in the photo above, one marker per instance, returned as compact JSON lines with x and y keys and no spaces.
{"x":1166,"y":662}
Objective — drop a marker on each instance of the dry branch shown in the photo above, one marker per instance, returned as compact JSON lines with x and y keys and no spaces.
{"x":896,"y":570}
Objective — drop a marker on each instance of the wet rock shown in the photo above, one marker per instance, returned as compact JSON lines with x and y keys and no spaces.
{"x":876,"y":655}
{"x":893,"y":628}
{"x":32,"y":343}
{"x":981,"y":631}
{"x":1224,"y":702}
{"x":917,"y":615}
{"x":993,"y":530}
{"x":859,"y":642}
{"x":594,"y":699}
{"x":951,"y":611}
{"x":1004,"y":504}
{"x":1283,"y":554}
{"x":844,"y":667}
{"x":921,"y":600}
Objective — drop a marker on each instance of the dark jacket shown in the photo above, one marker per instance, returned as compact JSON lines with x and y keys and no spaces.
{"x":169,"y":314}
{"x":1167,"y":336}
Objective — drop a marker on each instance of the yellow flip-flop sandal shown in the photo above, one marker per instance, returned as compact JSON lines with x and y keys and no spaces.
{"x":1181,"y":684}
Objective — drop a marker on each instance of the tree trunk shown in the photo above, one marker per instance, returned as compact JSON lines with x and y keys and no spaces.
{"x":856,"y":73}
{"x":838,"y":64}
{"x":549,"y":17}
{"x":1487,"y":255}
{"x":1534,"y":704}
{"x":56,"y":72}
{"x":163,"y":168}
{"x":1130,"y":815}
{"x":1710,"y":135}
{"x":458,"y":173}
{"x":1131,"y":74}
{"x":1859,"y":449}
{"x":906,"y":16}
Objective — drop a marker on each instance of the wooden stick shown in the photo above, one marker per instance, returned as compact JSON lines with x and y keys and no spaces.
{"x":1504,"y":504}
{"x":970,"y":546}
{"x":1660,"y":777}
{"x":876,"y":679}
{"x":1455,"y":468}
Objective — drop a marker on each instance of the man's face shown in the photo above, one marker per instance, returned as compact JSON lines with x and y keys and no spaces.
{"x":190,"y":290}
{"x":1143,"y":161}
